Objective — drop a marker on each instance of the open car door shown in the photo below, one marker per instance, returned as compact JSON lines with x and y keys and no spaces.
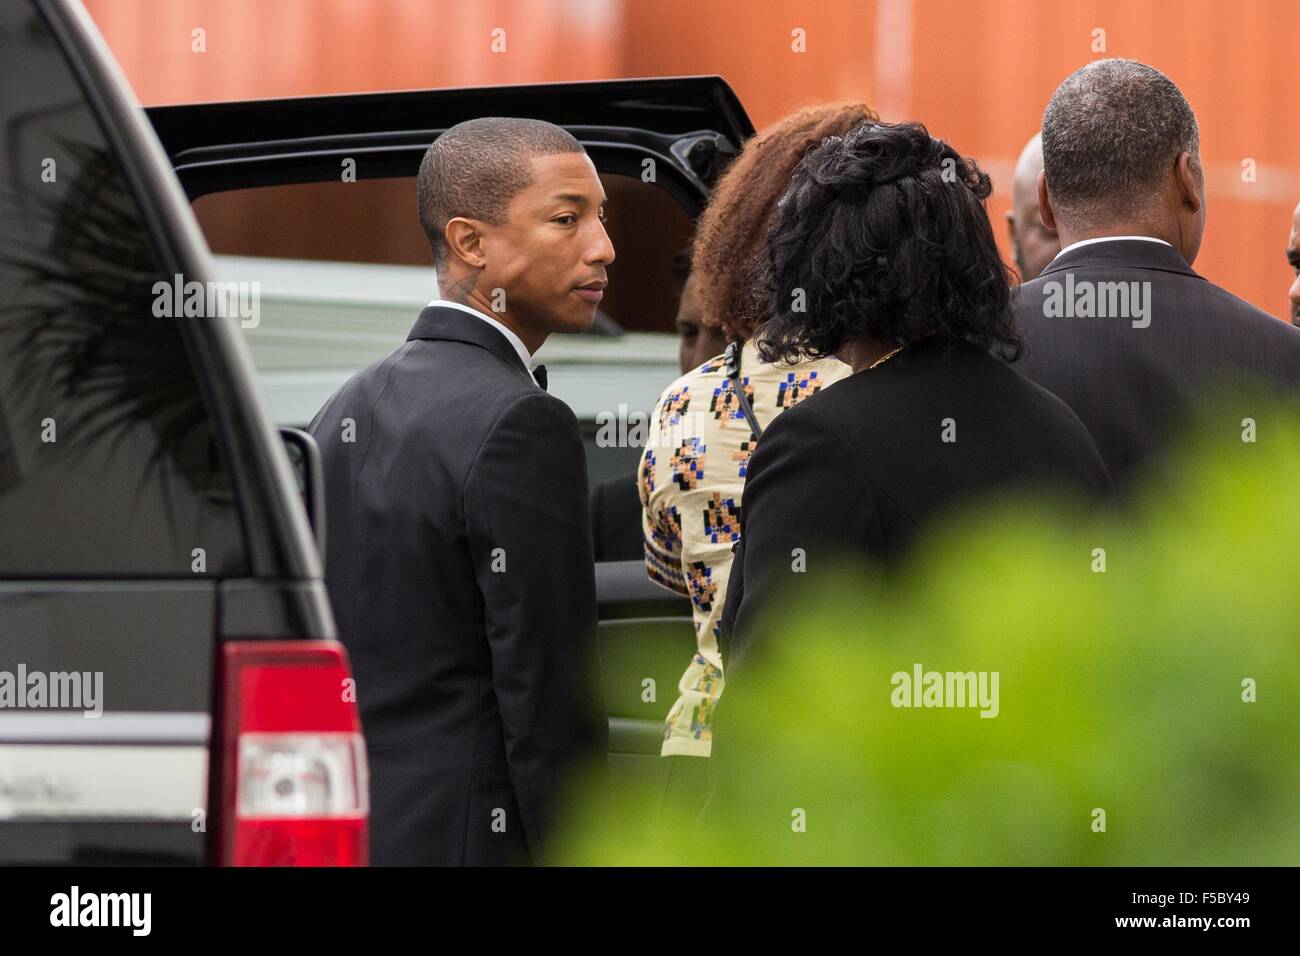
{"x":690,"y":127}
{"x":253,"y":169}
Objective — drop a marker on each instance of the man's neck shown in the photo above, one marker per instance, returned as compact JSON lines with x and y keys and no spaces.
{"x":469,"y":295}
{"x":1070,"y":236}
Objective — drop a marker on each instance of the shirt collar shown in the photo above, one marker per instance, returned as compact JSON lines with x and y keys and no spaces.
{"x":516,"y":342}
{"x":1088,"y":242}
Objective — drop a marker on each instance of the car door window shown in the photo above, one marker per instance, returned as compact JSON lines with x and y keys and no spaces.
{"x":108,"y":462}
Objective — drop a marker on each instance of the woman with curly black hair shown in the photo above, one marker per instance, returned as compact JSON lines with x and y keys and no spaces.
{"x":882,"y":254}
{"x":705,"y":425}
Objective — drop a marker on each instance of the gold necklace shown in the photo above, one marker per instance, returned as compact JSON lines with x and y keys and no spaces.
{"x":885,"y":358}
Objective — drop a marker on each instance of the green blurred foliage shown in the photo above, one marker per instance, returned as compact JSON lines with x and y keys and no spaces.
{"x":1119,"y":690}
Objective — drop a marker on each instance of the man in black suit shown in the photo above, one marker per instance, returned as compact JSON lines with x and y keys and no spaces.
{"x":1033,"y":245}
{"x":458,"y":547}
{"x":1118,"y":325}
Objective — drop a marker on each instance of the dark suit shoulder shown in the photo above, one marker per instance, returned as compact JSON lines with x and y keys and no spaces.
{"x":428,"y":408}
{"x":535,"y":406}
{"x":455,"y":386}
{"x":892,"y":422}
{"x":1215,"y":302}
{"x":478,"y":374}
{"x":1192,"y":333}
{"x":933,"y":378}
{"x":817,"y":431}
{"x":1282,"y":334}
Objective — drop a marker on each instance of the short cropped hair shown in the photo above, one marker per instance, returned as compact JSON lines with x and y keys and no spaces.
{"x":1111,"y":134}
{"x":884,"y":232}
{"x":475,"y":168}
{"x":730,"y":241}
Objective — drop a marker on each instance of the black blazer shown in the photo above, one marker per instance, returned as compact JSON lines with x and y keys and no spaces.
{"x":459,"y":566}
{"x":616,"y":520}
{"x":861,"y":469}
{"x":1133,"y":386}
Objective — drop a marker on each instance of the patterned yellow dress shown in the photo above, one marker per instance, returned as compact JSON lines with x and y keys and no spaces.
{"x":691,"y":477}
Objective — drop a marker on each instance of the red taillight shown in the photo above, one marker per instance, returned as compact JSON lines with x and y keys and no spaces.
{"x":292,"y":783}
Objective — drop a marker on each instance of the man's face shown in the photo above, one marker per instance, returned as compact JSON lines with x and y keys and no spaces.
{"x":696,"y":341}
{"x":1033,"y":244}
{"x":1293,"y":259}
{"x":550,"y":254}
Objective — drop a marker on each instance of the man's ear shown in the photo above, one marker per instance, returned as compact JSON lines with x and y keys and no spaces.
{"x":1186,"y":169}
{"x":1045,"y":211}
{"x":1011,"y":226}
{"x":464,"y":237}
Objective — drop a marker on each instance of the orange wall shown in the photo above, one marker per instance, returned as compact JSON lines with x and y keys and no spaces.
{"x":269,"y":48}
{"x":977,"y":72}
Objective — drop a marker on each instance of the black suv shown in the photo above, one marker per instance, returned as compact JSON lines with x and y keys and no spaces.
{"x":171,"y":690}
{"x":156,"y":533}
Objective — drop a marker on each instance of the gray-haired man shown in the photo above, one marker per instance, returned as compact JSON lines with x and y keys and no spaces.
{"x":1118,"y":325}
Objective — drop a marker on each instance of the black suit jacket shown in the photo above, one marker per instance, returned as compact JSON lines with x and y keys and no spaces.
{"x":459,"y":566}
{"x":616,"y":520}
{"x":859,"y":471}
{"x":1133,"y":386}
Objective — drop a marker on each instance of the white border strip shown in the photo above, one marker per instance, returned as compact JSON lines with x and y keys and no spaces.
{"x":70,"y":727}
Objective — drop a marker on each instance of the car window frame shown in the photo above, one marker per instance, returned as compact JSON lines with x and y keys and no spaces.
{"x":277,"y":537}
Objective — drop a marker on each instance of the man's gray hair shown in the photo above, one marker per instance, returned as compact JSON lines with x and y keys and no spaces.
{"x":475,"y":168}
{"x":1111,"y":134}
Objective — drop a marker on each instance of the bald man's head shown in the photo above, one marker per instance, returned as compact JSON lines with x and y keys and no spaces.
{"x":1033,"y":244}
{"x":1293,"y":260}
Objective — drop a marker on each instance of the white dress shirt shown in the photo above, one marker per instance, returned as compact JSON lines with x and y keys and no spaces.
{"x":524,"y":355}
{"x":1089,"y":242}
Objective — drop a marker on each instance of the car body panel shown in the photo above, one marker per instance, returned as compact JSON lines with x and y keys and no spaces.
{"x":132,"y":786}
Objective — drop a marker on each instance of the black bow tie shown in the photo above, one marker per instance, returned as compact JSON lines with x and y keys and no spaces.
{"x":539,"y":373}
